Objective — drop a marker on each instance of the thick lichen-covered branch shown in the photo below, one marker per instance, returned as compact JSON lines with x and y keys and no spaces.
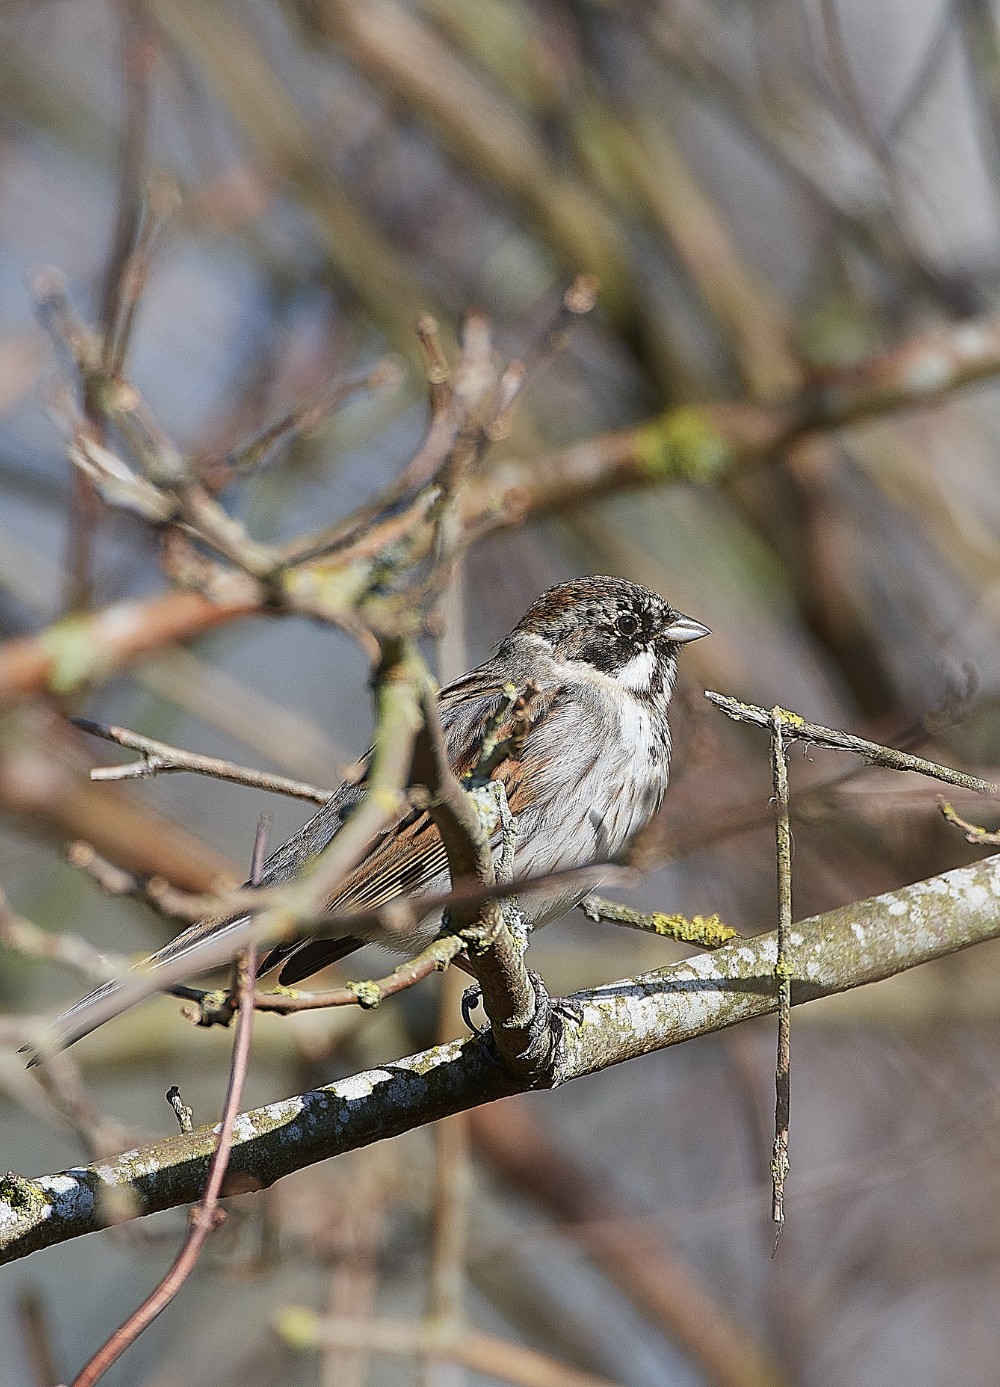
{"x":845,"y":948}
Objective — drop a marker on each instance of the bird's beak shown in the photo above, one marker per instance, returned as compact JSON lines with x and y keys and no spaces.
{"x":685,"y":628}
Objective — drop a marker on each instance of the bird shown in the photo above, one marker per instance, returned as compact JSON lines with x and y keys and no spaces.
{"x":600,"y":656}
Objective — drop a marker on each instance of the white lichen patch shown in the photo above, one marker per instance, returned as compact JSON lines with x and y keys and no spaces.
{"x":812,"y":969}
{"x":970,"y":340}
{"x":931,"y":371}
{"x":58,"y":1184}
{"x":859,"y":932}
{"x":68,"y":1196}
{"x":250,"y":1125}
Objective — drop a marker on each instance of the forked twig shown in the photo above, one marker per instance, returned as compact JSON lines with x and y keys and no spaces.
{"x":368,"y":994}
{"x":785,"y":726}
{"x":797,"y":729}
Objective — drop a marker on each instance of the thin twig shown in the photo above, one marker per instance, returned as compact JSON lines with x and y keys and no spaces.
{"x":449,"y":1222}
{"x":136,"y":43}
{"x":480,"y":1353}
{"x":175,"y":904}
{"x":162,"y":200}
{"x":308,"y":414}
{"x":782,"y":971}
{"x":848,"y":86}
{"x":169,"y":901}
{"x":972,"y":833}
{"x":930,"y":68}
{"x":63,"y":1085}
{"x":708,"y":933}
{"x":368,"y":994}
{"x":158,"y":758}
{"x":794,"y":728}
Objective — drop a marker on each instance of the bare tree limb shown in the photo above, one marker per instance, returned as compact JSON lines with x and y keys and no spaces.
{"x":859,"y":943}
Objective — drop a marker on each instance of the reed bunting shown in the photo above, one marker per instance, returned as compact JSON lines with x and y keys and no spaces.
{"x":591,"y":773}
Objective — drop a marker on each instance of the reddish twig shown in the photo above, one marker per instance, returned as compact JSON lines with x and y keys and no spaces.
{"x":207,"y":1216}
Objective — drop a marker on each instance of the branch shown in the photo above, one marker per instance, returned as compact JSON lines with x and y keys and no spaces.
{"x":706,"y":442}
{"x":794,"y":728}
{"x":160,"y":759}
{"x":700,"y":443}
{"x":708,"y":933}
{"x":973,"y":834}
{"x":24,"y":937}
{"x":521,"y":1022}
{"x":289,"y":909}
{"x":368,"y":995}
{"x":175,"y":904}
{"x":859,"y":943}
{"x":308,"y":415}
{"x":69,"y":654}
{"x":480,"y":1353}
{"x":207,"y":1216}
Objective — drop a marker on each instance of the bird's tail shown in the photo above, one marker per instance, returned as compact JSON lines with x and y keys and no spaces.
{"x":195,"y":950}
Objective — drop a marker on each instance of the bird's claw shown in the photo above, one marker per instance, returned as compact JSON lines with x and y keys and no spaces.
{"x":471,"y":998}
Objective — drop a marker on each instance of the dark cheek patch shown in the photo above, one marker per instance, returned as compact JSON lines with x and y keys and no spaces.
{"x":605,"y":655}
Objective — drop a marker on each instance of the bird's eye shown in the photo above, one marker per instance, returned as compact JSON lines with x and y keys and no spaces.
{"x":627,"y":624}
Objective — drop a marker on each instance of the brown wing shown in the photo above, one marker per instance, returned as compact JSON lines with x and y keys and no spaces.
{"x":411,"y":859}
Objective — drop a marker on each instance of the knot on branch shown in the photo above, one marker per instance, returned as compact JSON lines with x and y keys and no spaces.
{"x":215,"y":1008}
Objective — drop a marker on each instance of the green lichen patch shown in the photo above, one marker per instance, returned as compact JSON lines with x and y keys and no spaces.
{"x":682,"y":445}
{"x":369,"y":994}
{"x":74,"y":653}
{"x":24,"y":1196}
